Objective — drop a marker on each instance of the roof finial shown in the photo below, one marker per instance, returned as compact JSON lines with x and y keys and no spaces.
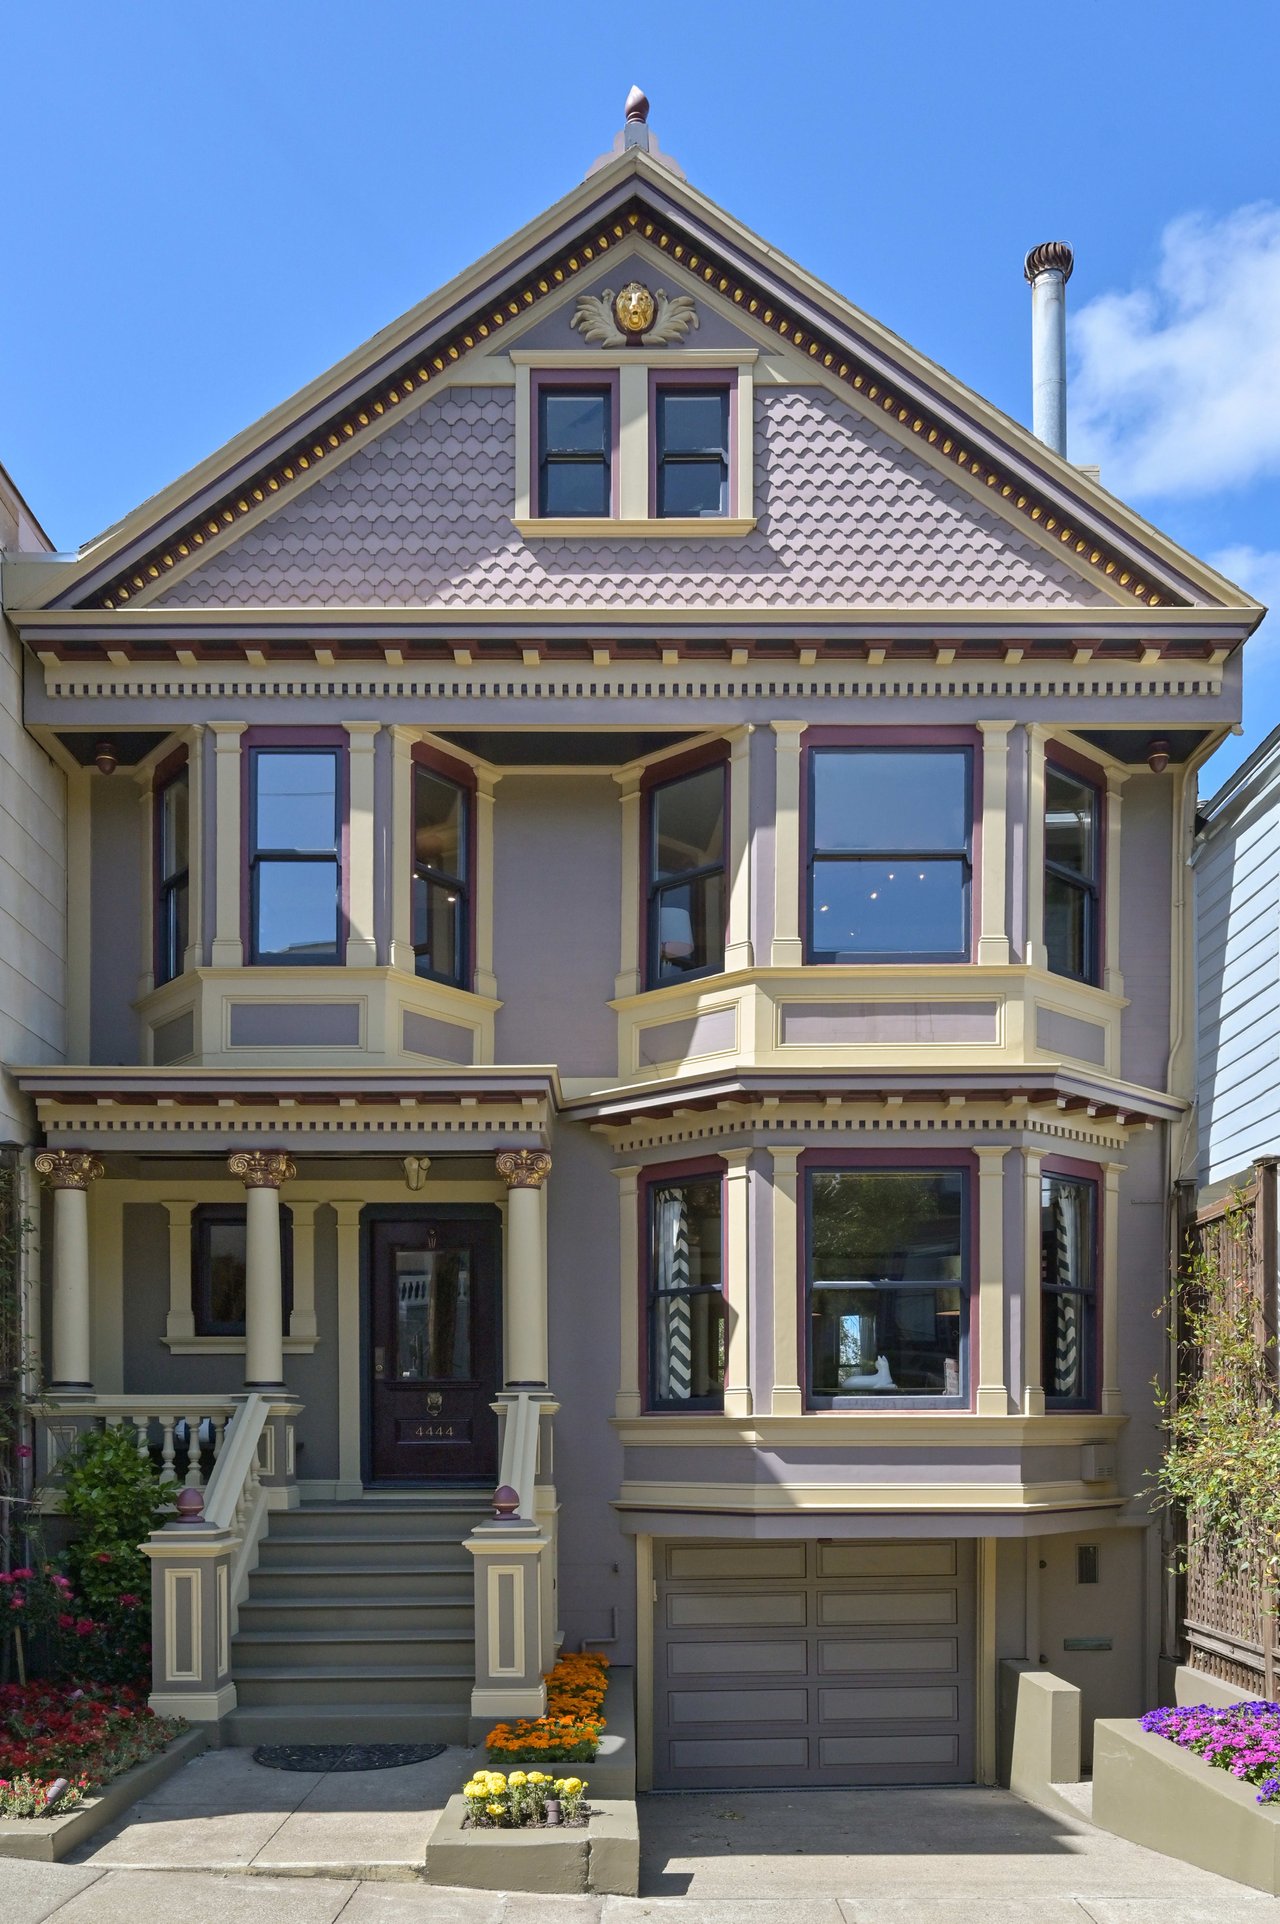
{"x":637,"y":105}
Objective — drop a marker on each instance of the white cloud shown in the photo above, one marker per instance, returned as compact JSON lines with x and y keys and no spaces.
{"x":1176,"y":387}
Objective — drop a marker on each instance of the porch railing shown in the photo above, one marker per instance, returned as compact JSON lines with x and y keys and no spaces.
{"x":184,"y":1434}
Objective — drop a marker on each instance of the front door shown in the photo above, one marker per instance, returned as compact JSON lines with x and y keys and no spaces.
{"x":434,"y":1347}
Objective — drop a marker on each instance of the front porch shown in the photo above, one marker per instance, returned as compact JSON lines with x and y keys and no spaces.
{"x":333,"y":1347}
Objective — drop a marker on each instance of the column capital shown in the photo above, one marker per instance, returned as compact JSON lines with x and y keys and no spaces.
{"x":227,"y":734}
{"x":68,"y":1168}
{"x":262,"y":1168}
{"x":523,"y":1168}
{"x":996,"y":727}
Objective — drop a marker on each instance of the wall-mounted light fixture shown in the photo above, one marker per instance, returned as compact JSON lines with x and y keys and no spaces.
{"x":1157,"y":754}
{"x":105,"y":759}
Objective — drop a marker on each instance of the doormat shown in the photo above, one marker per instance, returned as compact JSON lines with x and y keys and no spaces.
{"x":324,"y":1757}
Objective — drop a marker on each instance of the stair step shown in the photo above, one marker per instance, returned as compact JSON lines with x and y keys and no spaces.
{"x":410,"y":1616}
{"x":406,"y":1582}
{"x":330,"y":1723}
{"x":257,"y":1650}
{"x":363,"y":1523}
{"x":431,"y":1685}
{"x":372,"y":1548}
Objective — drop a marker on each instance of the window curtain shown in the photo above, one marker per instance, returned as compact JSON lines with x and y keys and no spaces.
{"x":674,"y":1333}
{"x":1069,"y":1230}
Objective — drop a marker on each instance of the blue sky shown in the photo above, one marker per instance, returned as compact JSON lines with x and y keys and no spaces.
{"x":208,"y":207}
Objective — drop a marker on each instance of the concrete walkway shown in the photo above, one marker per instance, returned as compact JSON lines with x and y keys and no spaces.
{"x":226,"y":1842}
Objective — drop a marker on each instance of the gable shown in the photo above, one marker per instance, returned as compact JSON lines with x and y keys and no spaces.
{"x":846,"y":515}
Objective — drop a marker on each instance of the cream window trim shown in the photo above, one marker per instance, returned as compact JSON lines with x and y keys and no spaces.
{"x":633,"y":521}
{"x":787,"y":949}
{"x":196,"y":750}
{"x":231,"y":1345}
{"x":1112,"y":1402}
{"x":1112,"y":979}
{"x":788,"y":1395}
{"x":402,"y":740}
{"x":147,"y":869}
{"x":483,"y":980}
{"x":627,"y":981}
{"x":1032,"y":1307}
{"x":738,"y":952}
{"x":1037,"y":956}
{"x":993,"y":936}
{"x":992,"y":1397}
{"x":228,"y":948}
{"x":737,"y":1250}
{"x":630,"y":1398}
{"x":302,"y":1316}
{"x":362,"y":949}
{"x":180,"y":1325}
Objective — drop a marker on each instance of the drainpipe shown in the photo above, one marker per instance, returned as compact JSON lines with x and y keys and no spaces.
{"x":1048,"y":268}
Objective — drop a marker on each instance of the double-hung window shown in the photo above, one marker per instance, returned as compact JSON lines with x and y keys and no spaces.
{"x":173,"y":875}
{"x":686,"y":876}
{"x":1072,"y":818}
{"x":691,"y":426}
{"x":1068,"y":1300}
{"x":441,"y":910}
{"x":218,"y":1268}
{"x":888,"y":1284}
{"x":889,"y":854}
{"x":686,"y":1300}
{"x":575,"y":451}
{"x":295,"y":855}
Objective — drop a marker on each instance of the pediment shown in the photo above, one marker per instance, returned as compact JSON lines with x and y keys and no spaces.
{"x":880,"y":481}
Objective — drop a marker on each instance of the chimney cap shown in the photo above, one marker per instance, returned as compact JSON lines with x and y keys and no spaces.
{"x":1048,"y":257}
{"x":637,"y":105}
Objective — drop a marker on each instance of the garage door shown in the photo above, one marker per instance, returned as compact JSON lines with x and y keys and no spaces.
{"x":813,"y":1663}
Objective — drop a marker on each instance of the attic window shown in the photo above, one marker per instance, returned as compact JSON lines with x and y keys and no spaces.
{"x":575,"y":451}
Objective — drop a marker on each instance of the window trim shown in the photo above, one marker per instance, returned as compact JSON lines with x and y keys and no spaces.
{"x":657,"y":1176}
{"x":174,"y":768}
{"x":661,"y":775}
{"x":202,"y":1216}
{"x":254,"y":742}
{"x":705,"y":380}
{"x":916,"y":1162}
{"x":1071,"y":1169}
{"x":915,"y":741}
{"x":463,"y":777}
{"x":1090,"y":776}
{"x":596,"y":380}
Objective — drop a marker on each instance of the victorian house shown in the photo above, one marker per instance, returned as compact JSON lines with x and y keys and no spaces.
{"x":630,"y":948}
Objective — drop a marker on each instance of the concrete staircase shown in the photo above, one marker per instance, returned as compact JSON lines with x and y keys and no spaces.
{"x":358,"y":1626}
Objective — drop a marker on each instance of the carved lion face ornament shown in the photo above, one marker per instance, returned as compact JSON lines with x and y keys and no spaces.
{"x":634,"y":308}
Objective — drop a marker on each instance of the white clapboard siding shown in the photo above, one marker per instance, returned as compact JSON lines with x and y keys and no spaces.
{"x":1237,"y":881}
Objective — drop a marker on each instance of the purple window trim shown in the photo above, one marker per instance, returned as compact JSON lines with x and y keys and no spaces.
{"x":463,"y":776}
{"x":1056,"y":756}
{"x":811,"y":1160}
{"x":658,"y":775}
{"x":554,"y":377}
{"x":1074,"y":1170}
{"x":178,"y":763}
{"x":335,"y":738}
{"x":711,"y":377}
{"x":696,"y":1168}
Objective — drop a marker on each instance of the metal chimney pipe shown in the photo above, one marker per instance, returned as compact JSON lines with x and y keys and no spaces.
{"x":1048,"y":268}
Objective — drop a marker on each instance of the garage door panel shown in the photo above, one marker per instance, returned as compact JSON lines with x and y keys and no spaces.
{"x":689,"y":1562}
{"x":909,"y":1703}
{"x":901,"y":1655}
{"x":783,"y":1609}
{"x":723,"y":1659}
{"x":756,"y":1755}
{"x":904,"y":1749}
{"x":886,"y":1606}
{"x":746,"y":1706}
{"x":886,"y":1559}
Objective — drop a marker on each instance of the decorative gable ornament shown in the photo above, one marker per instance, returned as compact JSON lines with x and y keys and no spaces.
{"x":634,"y":315}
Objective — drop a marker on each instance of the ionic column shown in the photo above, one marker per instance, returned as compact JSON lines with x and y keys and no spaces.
{"x":68,"y":1173}
{"x":262,"y":1171}
{"x":524,"y":1293}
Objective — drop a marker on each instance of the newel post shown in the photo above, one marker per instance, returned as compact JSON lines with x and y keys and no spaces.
{"x":191,"y":1616}
{"x":509,"y":1593}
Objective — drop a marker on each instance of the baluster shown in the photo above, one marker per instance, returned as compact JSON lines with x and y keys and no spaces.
{"x":219,"y":1430}
{"x":142,"y":1430}
{"x":194,"y":1480}
{"x":168,"y":1473}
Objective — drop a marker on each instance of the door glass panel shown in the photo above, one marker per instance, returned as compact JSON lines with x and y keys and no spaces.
{"x":433,"y":1314}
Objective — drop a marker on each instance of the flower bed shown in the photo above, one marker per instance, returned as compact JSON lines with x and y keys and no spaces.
{"x":570,"y":1731}
{"x":1241,"y":1738}
{"x":523,"y":1800}
{"x":57,"y":1745}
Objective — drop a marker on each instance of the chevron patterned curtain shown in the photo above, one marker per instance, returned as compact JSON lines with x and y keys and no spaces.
{"x":1068,"y":1234}
{"x":674,"y":1334}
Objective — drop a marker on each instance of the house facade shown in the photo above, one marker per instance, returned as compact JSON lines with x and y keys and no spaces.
{"x":630,"y":948}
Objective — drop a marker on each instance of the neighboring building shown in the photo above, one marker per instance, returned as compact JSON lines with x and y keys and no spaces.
{"x":629,"y":849}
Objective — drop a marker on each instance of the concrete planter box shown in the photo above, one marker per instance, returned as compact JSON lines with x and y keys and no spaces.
{"x":47,"y":1839}
{"x":602,"y":1858}
{"x":1146,"y":1789}
{"x":612,"y":1773}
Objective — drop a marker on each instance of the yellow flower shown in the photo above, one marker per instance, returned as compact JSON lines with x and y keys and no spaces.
{"x":538,"y":1777}
{"x":517,"y":1778}
{"x":473,"y":1790}
{"x":496,"y":1780}
{"x":495,"y":1810}
{"x":573,"y":1785}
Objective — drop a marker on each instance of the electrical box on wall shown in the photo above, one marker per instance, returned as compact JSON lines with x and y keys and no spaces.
{"x":1097,"y":1463}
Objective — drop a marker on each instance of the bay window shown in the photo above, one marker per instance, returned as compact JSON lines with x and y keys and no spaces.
{"x":1068,"y":1302}
{"x":686,"y":1311}
{"x":1072,"y":820}
{"x":295,"y":855}
{"x":888,"y":1285}
{"x":440,"y":891}
{"x":686,"y":876}
{"x":173,"y":874}
{"x":890,"y":833}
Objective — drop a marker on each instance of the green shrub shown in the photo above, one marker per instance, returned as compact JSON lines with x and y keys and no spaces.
{"x":113,"y":1499}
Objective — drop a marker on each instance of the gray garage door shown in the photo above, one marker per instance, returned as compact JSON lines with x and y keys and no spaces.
{"x":813,"y":1663}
